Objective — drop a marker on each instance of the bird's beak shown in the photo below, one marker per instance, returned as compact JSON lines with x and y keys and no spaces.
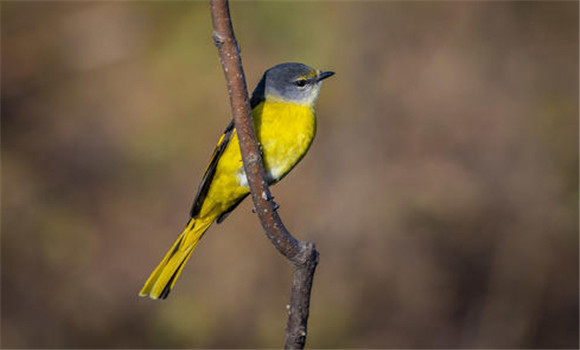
{"x":324,"y":75}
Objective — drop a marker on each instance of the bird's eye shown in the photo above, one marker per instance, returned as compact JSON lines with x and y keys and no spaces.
{"x":300,"y":82}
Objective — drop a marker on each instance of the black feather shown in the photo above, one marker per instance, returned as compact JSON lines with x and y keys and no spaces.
{"x":210,"y":171}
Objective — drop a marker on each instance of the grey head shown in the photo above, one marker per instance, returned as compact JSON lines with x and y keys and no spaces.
{"x":289,"y":82}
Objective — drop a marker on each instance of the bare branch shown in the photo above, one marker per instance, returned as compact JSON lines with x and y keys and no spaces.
{"x":302,"y":255}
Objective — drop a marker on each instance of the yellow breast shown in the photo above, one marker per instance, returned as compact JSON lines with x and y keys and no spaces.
{"x":285,"y":132}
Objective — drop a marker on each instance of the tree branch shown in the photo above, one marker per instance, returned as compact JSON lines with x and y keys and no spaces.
{"x":302,"y":255}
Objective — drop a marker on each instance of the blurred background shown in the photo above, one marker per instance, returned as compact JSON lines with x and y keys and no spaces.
{"x":441,"y":190}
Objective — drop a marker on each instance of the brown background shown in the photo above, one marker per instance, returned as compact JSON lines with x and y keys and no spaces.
{"x":441,"y":190}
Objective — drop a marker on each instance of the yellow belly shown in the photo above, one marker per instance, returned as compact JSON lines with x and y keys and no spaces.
{"x":284,"y":132}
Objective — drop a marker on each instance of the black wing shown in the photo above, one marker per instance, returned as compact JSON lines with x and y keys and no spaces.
{"x":210,"y":170}
{"x":258,"y":96}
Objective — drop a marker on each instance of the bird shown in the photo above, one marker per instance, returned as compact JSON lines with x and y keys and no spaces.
{"x":284,"y":119}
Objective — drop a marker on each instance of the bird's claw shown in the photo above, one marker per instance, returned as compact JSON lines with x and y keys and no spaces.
{"x":261,"y":149}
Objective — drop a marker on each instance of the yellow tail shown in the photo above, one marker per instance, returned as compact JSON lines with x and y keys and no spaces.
{"x":165,"y":275}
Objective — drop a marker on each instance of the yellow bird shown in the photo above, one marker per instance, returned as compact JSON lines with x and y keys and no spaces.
{"x":285,"y":124}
